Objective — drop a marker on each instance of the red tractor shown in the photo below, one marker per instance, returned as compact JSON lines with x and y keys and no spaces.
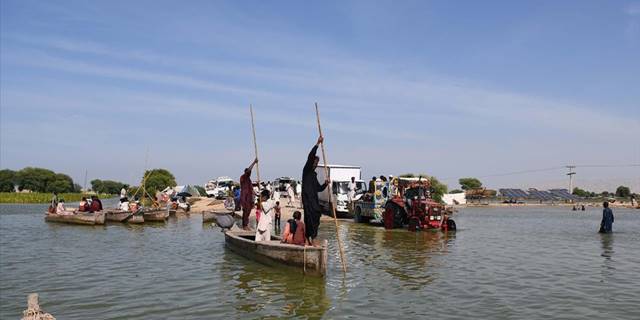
{"x":412,"y":205}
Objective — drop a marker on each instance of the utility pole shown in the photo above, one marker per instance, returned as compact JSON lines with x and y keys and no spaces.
{"x":570,"y":174}
{"x":85,"y":180}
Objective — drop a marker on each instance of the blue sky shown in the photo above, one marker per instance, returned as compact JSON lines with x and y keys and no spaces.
{"x":448,"y":88}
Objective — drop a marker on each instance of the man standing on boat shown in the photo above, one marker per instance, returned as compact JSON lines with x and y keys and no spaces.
{"x":310,"y":189}
{"x":246,"y":195}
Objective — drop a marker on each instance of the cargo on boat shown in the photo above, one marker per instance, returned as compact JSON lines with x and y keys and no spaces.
{"x":77,"y":218}
{"x":306,"y":259}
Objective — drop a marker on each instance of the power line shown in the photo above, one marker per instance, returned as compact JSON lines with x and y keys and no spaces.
{"x":553,"y":169}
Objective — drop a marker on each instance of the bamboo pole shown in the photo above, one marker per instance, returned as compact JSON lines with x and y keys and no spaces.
{"x":255,"y":145}
{"x":333,"y":209}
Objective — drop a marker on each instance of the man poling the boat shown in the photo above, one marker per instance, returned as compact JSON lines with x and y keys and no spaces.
{"x":246,"y":194}
{"x":310,"y":190}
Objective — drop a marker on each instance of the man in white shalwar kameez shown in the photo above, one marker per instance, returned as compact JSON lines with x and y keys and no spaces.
{"x":265,"y":224}
{"x":291,"y":194}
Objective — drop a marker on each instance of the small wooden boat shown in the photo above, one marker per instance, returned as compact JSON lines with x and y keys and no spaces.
{"x":117,"y":215}
{"x":77,"y":218}
{"x":310,"y":260}
{"x":159,"y":215}
{"x":210,"y":216}
{"x":136,"y":219}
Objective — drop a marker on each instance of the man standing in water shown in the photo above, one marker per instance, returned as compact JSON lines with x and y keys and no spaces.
{"x":310,"y":189}
{"x":246,"y":195}
{"x":606,"y":225}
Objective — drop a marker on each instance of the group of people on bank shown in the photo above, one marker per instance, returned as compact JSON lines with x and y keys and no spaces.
{"x":297,"y":230}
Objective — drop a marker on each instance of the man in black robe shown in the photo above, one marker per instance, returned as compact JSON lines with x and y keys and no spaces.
{"x":310,"y":189}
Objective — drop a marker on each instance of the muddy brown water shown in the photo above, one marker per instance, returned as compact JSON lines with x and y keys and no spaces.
{"x":503,"y":263}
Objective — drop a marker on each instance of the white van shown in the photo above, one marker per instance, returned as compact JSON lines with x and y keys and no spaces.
{"x":218,"y":188}
{"x":340,"y":178}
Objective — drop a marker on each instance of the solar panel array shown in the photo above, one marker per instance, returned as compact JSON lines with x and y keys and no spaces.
{"x":513,"y":193}
{"x":534,"y":194}
{"x":540,"y":195}
{"x":563,"y":194}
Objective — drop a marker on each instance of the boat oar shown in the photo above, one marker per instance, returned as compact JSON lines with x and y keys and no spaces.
{"x":255,"y":145}
{"x":333,"y":209}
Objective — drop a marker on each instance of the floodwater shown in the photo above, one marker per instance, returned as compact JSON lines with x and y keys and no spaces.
{"x":503,"y":263}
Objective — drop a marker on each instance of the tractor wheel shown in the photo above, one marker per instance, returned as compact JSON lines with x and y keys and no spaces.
{"x":398,"y":214}
{"x":451,"y":225}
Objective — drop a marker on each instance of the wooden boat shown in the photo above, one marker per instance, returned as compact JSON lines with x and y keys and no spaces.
{"x":210,"y":216}
{"x":77,"y":218}
{"x":310,"y":260}
{"x":159,"y":215}
{"x":136,"y":219}
{"x":117,"y":215}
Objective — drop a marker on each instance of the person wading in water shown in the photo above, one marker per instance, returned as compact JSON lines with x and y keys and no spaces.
{"x":246,"y":195}
{"x":310,"y":189}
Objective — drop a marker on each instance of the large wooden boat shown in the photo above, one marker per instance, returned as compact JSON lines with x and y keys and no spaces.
{"x":306,"y":259}
{"x":118,"y":215}
{"x":77,"y":218}
{"x":158,"y":215}
{"x":210,"y":216}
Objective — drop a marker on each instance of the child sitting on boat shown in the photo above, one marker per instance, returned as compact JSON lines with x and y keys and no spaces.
{"x":294,"y":230}
{"x":263,"y":229}
{"x":60,"y":209}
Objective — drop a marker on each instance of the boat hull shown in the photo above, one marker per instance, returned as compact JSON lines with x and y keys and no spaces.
{"x":309,"y":260}
{"x":136,"y":219}
{"x":117,"y":216}
{"x":156,"y":216}
{"x":96,"y":218}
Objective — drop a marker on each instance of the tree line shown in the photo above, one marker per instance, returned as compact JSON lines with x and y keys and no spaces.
{"x":621,"y":192}
{"x":47,"y":181}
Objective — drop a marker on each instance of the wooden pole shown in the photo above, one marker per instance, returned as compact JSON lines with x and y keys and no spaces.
{"x":333,"y":209}
{"x":255,"y":145}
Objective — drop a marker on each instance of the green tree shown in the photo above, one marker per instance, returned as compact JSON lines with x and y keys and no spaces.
{"x":580,"y":193}
{"x":456,"y":191}
{"x":623,"y":192}
{"x":96,"y":185}
{"x":437,"y":188}
{"x":61,"y":183}
{"x":469,"y":183}
{"x":7,"y":180}
{"x":35,"y":179}
{"x":107,"y":186}
{"x":158,"y":179}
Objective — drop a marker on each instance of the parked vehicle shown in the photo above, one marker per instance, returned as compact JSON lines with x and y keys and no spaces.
{"x":280,"y":185}
{"x":410,"y":205}
{"x":340,"y":178}
{"x":219,"y":188}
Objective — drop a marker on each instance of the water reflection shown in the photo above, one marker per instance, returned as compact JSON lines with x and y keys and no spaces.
{"x":411,"y":257}
{"x":608,"y":265}
{"x":273,"y":292}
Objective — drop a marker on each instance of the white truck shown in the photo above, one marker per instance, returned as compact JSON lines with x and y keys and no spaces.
{"x":340,"y":177}
{"x":218,"y":188}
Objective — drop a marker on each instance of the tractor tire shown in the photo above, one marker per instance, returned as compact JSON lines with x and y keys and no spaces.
{"x":451,"y":225}
{"x":399,"y":216}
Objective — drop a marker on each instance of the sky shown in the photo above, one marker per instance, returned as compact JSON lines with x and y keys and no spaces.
{"x":510,"y":92}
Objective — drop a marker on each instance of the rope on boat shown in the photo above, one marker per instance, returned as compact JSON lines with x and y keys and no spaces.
{"x":33,"y":311}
